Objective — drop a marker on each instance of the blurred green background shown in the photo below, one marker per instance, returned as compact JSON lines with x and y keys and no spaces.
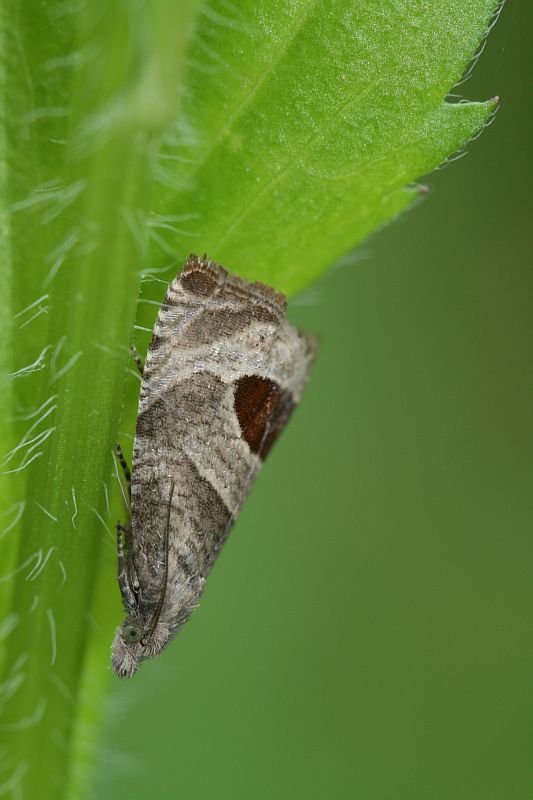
{"x":367,"y":630}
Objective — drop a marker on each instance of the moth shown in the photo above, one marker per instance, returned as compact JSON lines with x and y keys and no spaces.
{"x":223,"y":373}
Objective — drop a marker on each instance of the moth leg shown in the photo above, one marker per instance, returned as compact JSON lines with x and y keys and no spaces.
{"x":126,"y":590}
{"x":125,"y":468}
{"x":138,"y":361}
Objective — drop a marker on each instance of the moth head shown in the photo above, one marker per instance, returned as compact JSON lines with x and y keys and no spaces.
{"x":134,"y":642}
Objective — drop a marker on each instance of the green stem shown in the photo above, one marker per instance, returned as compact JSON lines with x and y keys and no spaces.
{"x":87,"y":97}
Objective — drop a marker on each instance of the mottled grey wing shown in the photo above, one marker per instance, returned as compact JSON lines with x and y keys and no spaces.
{"x":223,"y":373}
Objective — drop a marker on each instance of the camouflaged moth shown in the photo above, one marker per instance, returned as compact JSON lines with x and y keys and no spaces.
{"x":223,"y":373}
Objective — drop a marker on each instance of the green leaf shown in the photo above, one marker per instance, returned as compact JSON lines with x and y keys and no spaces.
{"x":302,"y":126}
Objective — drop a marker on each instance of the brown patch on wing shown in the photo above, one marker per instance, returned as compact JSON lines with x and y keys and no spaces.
{"x":209,"y":327}
{"x":195,"y":399}
{"x":209,"y":516}
{"x":262,"y":408}
{"x":200,"y":283}
{"x":202,"y":277}
{"x":258,"y":292}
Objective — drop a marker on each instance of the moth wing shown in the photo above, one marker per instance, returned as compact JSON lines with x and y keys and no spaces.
{"x":223,"y":373}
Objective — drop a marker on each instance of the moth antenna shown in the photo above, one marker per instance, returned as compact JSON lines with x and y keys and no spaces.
{"x":165,"y":572}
